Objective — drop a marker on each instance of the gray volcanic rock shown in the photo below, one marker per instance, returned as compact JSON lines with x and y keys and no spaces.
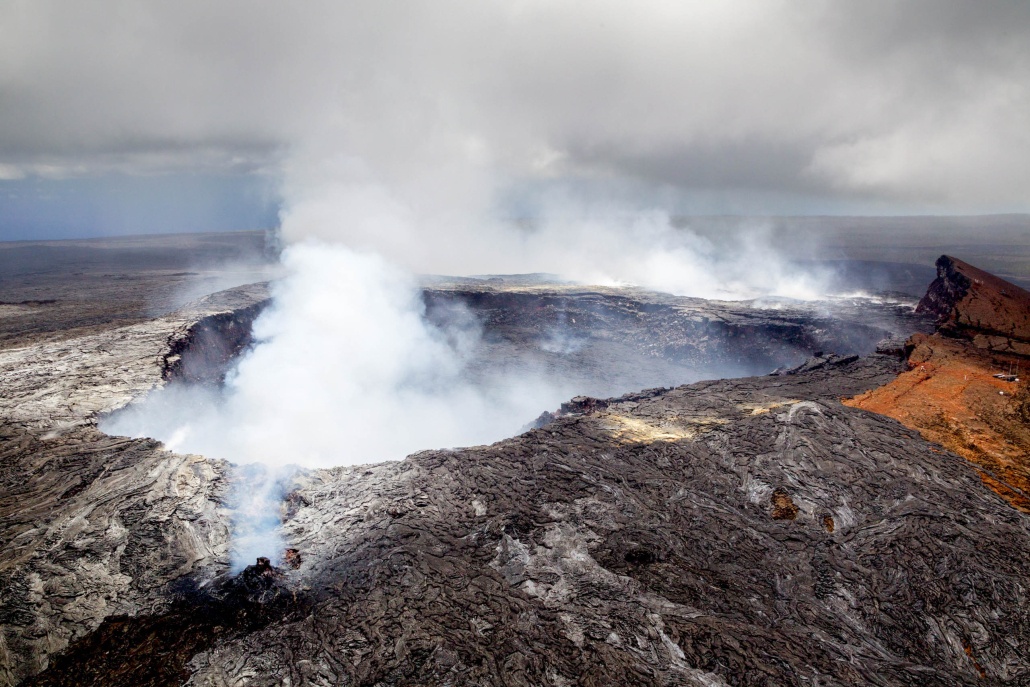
{"x":744,"y":532}
{"x":608,"y":341}
{"x":741,"y":532}
{"x":58,"y":384}
{"x":96,"y":526}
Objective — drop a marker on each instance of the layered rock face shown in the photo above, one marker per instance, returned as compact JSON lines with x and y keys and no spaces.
{"x":608,"y":341}
{"x":974,"y":304}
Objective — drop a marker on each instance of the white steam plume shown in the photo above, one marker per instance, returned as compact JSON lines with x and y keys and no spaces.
{"x":346,"y":371}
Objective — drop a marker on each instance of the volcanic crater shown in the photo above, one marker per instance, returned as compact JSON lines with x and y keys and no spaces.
{"x":747,"y":531}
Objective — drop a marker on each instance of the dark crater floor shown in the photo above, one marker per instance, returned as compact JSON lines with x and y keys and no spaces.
{"x":599,"y":341}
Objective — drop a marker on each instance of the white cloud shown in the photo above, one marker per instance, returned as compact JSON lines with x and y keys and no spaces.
{"x":11,"y":173}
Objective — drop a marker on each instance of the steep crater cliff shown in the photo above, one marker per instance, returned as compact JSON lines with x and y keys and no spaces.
{"x":206,"y":351}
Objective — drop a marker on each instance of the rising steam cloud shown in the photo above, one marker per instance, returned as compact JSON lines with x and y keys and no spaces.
{"x":346,"y":368}
{"x":346,"y":371}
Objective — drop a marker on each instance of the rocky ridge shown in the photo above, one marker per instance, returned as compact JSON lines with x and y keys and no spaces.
{"x":970,"y":303}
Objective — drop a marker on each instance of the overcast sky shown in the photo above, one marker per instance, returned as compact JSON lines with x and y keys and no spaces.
{"x":128,"y":116}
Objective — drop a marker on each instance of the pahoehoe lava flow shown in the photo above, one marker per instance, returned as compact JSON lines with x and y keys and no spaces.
{"x":744,"y":531}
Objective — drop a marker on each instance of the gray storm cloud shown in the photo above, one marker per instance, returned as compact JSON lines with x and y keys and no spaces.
{"x":915,"y":102}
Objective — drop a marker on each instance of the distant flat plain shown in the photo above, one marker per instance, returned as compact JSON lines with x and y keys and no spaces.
{"x":66,"y":288}
{"x":60,"y":289}
{"x":997,"y":243}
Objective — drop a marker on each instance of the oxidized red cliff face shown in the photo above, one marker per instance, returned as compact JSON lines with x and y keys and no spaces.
{"x":951,"y":394}
{"x":977,"y":305}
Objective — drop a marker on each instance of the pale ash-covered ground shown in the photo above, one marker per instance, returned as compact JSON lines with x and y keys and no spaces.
{"x":744,"y":532}
{"x":66,"y":383}
{"x":92,"y":524}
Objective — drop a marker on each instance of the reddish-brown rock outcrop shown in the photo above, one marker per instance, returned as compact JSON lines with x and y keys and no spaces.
{"x":951,"y":396}
{"x":965,"y":388}
{"x":977,"y":305}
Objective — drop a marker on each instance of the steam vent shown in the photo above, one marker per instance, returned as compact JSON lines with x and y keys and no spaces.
{"x":748,"y":531}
